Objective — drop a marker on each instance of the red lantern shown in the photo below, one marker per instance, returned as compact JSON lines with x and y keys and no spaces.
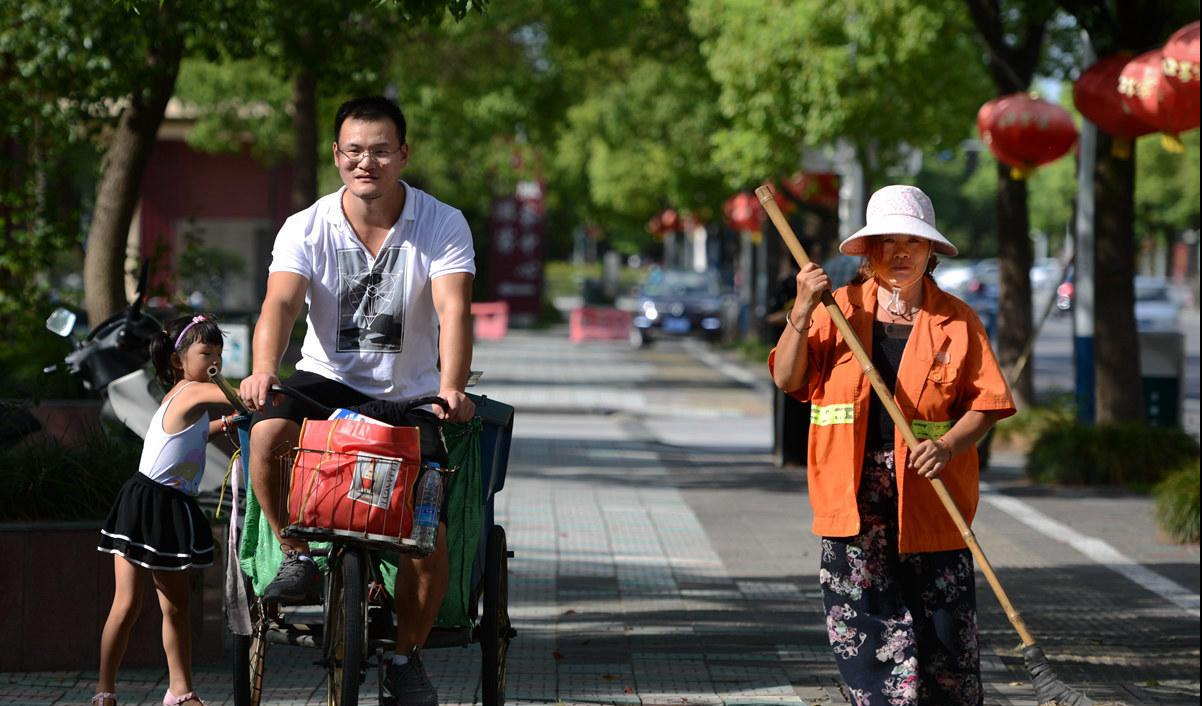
{"x":985,"y":117}
{"x":743,"y":212}
{"x":816,"y":188}
{"x":654,"y":227}
{"x":1096,"y":95}
{"x":1025,"y":132}
{"x":1180,"y":60}
{"x":1150,"y":96}
{"x":663,"y":222}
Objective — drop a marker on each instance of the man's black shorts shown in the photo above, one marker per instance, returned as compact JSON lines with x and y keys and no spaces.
{"x":335,"y":394}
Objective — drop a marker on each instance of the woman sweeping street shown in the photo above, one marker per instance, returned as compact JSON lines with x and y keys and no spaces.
{"x":896,"y":575}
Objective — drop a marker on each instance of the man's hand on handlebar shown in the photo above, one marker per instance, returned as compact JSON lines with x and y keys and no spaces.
{"x":255,"y":388}
{"x":460,"y":407}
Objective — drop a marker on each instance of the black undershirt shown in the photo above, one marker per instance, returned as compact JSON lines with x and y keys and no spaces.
{"x":888,"y":343}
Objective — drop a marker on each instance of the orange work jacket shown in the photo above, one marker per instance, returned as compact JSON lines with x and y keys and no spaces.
{"x":947,"y":369}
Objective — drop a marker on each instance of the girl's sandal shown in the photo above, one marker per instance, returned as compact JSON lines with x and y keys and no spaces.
{"x":104,"y":698}
{"x":190,"y":697}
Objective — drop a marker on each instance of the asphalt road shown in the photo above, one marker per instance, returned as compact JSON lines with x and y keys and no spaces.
{"x":1053,"y":361}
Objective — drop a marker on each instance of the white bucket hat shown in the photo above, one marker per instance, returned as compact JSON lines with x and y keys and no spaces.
{"x":898,"y":210}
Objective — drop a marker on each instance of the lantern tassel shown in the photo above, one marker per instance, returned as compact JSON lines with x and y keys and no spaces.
{"x":1019,"y":173}
{"x":1120,"y":148}
{"x":1171,"y":143}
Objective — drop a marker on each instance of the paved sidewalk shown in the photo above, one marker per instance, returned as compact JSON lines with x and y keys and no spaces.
{"x":661,"y":559}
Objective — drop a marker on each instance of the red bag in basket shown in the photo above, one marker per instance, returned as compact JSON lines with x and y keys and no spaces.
{"x":355,"y":478}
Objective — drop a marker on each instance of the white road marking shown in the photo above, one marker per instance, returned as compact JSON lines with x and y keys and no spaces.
{"x":1094,"y":548}
{"x":737,"y":373}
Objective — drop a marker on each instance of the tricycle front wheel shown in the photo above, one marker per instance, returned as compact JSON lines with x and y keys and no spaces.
{"x":250,"y":657}
{"x":346,"y":628}
{"x":495,"y":631}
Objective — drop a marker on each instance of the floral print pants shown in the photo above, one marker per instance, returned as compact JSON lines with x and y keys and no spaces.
{"x":903,"y":627}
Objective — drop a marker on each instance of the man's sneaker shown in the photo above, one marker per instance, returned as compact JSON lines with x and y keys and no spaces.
{"x":408,"y":685}
{"x":298,"y":582}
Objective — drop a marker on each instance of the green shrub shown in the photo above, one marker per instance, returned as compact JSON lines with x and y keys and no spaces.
{"x":1177,"y":503}
{"x":42,"y":479}
{"x":562,"y":278}
{"x":565,"y":279}
{"x":24,"y":355}
{"x":1029,"y":424}
{"x":753,"y":351}
{"x":1134,"y":455}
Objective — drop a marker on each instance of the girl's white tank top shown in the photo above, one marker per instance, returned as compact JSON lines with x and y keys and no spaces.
{"x":175,"y":460}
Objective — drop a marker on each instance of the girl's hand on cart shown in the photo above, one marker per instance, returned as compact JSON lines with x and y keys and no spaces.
{"x":230,"y":421}
{"x":255,"y":388}
{"x":460,"y":407}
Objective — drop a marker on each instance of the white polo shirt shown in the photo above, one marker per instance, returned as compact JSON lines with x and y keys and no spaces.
{"x":371,"y":322}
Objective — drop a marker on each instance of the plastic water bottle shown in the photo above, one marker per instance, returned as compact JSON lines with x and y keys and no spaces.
{"x":425,"y":509}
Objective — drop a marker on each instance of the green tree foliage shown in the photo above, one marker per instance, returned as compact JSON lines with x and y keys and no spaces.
{"x":642,"y":142}
{"x":237,"y":103}
{"x":480,"y":98}
{"x":961,"y":183}
{"x":608,"y":103}
{"x":87,"y":78}
{"x":56,"y":73}
{"x":301,"y":54}
{"x":1166,"y":188}
{"x":104,"y":71}
{"x":885,"y":76}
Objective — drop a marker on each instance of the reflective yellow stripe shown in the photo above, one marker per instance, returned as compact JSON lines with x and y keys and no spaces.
{"x":929,"y":430}
{"x":832,"y":414}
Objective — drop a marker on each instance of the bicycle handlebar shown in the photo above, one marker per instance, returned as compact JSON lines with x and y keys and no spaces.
{"x":428,"y":399}
{"x":409,"y":406}
{"x":231,"y":394}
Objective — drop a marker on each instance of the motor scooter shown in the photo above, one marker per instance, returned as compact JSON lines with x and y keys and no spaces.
{"x":113,"y":360}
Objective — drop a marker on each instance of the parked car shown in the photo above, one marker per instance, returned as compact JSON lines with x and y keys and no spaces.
{"x":978,"y":284}
{"x":678,"y":303}
{"x":953,"y":276}
{"x":979,"y":289}
{"x":1155,"y":307}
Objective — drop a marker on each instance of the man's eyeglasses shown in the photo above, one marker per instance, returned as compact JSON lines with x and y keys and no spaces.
{"x":355,"y":155}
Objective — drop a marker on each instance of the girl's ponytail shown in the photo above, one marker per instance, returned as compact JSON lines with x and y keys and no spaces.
{"x":160,"y":356}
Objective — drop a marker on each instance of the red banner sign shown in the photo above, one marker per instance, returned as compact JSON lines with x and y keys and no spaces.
{"x":516,"y":225}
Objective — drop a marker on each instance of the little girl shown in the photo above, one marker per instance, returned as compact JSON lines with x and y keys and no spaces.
{"x":155,"y":526}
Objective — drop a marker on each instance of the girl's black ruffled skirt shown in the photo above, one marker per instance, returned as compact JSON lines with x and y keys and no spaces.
{"x":157,"y":527}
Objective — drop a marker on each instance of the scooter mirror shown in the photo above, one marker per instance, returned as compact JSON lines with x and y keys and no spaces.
{"x":61,"y":322}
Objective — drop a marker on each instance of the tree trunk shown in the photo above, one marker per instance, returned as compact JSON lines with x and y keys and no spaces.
{"x":1118,"y":386}
{"x":1014,"y":279}
{"x":1011,"y":57}
{"x":304,"y":124}
{"x":121,"y":171}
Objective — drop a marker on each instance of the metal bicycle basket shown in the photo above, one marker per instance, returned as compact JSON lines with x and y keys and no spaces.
{"x":352,"y":481}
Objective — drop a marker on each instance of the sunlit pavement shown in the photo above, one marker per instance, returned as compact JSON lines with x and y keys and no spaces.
{"x":661,"y":559}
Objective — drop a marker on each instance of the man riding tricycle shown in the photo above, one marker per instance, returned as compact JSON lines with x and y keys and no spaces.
{"x":385,"y":271}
